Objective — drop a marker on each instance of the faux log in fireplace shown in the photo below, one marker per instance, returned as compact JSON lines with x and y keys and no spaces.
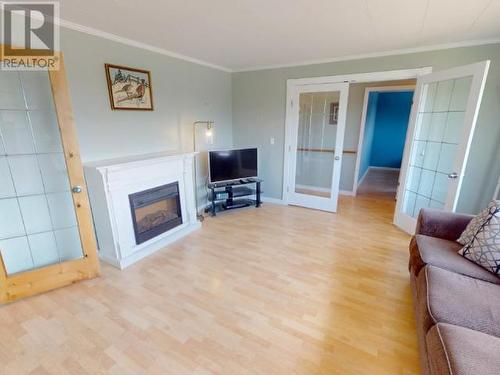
{"x":155,"y":211}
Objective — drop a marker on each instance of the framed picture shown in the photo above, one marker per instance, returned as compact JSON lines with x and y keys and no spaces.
{"x":334,"y":113}
{"x":129,"y":88}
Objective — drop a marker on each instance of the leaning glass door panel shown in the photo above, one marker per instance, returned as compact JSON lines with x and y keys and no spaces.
{"x":38,"y":225}
{"x":316,"y":137}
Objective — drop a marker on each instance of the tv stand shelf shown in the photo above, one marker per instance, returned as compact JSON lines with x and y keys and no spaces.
{"x":233,"y":194}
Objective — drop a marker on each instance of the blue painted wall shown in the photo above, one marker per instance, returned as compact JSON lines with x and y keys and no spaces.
{"x":391,"y":123}
{"x":385,"y":129}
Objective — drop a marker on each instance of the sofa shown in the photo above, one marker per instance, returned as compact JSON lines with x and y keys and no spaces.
{"x":457,"y":303}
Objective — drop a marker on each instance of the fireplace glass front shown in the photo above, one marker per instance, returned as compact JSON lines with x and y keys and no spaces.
{"x":155,"y":211}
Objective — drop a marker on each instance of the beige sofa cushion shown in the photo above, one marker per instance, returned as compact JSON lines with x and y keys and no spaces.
{"x":476,"y":223}
{"x":444,"y":254}
{"x":484,"y":248}
{"x":461,"y":351}
{"x":447,"y":297}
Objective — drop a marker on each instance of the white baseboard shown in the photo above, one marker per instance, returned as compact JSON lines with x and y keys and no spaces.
{"x":273,"y":200}
{"x":384,"y":168}
{"x":347,"y":192}
{"x":325,"y":190}
{"x":313,"y":188}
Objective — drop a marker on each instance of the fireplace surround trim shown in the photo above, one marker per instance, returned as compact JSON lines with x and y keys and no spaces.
{"x":110,"y":182}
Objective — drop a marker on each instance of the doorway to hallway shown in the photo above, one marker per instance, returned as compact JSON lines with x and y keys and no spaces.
{"x":385,"y":123}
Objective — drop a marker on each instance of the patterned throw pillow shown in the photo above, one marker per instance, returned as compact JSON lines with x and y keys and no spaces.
{"x":475,"y":224}
{"x":484,"y":249}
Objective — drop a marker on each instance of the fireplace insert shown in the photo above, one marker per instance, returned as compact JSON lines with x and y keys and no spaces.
{"x":155,"y":211}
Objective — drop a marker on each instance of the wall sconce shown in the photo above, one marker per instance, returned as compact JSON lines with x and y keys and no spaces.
{"x":208,"y":130}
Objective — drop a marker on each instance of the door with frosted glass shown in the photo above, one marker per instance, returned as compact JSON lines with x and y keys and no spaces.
{"x":46,"y":235}
{"x":437,"y":146}
{"x":316,"y":141}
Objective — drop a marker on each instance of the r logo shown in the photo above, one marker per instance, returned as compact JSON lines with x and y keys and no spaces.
{"x":28,"y":29}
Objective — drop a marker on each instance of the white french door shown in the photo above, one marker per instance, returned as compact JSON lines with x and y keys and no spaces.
{"x":444,"y":113}
{"x":316,"y":115}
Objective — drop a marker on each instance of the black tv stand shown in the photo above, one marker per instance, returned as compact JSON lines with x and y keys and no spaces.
{"x":233,"y":194}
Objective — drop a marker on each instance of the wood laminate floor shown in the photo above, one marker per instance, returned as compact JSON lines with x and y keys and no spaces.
{"x":274,"y":290}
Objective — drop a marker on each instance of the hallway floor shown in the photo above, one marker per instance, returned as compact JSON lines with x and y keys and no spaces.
{"x":380,"y":182}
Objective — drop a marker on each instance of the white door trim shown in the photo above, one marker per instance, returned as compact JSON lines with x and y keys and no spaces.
{"x":369,"y":90}
{"x":380,"y":76}
{"x":479,"y":72}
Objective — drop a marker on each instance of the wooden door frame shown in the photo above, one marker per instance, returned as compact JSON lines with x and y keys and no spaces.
{"x":479,"y":73}
{"x":24,"y":284}
{"x":368,"y":91}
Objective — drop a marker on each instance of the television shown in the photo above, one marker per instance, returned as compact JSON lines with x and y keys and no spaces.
{"x":230,"y":165}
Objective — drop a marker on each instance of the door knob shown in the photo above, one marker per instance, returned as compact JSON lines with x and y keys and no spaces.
{"x":337,"y":157}
{"x":76,"y":189}
{"x":453,"y":175}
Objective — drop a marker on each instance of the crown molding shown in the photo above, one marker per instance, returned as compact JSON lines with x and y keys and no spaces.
{"x":137,"y":44}
{"x":148,"y":47}
{"x":403,"y":51}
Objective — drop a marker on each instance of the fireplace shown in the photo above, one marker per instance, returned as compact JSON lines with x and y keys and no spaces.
{"x":155,"y":211}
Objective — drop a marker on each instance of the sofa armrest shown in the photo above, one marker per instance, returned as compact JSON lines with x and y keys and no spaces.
{"x":442,"y":224}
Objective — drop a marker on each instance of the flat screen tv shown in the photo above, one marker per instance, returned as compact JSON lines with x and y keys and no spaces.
{"x":230,"y":165}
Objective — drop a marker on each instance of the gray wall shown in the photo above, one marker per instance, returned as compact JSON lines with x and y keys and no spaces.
{"x":183,"y":92}
{"x":259,"y":114}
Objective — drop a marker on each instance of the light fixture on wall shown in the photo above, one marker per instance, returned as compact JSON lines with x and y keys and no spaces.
{"x":209,"y":132}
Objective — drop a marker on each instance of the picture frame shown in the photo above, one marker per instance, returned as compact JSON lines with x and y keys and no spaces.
{"x":129,"y":88}
{"x":334,"y":113}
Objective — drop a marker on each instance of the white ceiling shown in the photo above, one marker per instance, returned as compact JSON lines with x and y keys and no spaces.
{"x":247,"y":34}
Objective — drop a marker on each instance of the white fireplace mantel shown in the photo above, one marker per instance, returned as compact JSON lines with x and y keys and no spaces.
{"x":110,"y":182}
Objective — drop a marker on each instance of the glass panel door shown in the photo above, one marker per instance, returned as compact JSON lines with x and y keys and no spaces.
{"x":437,"y":147}
{"x":38,"y":225}
{"x":317,"y":143}
{"x":440,"y":123}
{"x":318,"y":116}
